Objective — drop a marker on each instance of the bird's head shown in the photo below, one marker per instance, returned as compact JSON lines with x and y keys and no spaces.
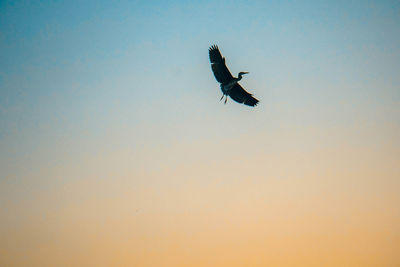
{"x":240,"y":75}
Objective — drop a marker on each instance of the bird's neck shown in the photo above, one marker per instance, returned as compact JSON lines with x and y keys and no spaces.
{"x":239,"y":77}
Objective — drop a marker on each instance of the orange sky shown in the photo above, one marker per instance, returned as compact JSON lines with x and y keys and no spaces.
{"x":333,"y":204}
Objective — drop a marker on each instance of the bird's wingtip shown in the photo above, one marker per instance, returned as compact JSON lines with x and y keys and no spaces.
{"x":213,"y":47}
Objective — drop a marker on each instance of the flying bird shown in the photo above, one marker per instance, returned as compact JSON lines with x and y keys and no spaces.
{"x":229,"y":84}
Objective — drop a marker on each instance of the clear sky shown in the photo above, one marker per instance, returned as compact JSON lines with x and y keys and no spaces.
{"x":115,"y":149}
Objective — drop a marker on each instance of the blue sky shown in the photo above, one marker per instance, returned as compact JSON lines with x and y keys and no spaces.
{"x":86,"y":63}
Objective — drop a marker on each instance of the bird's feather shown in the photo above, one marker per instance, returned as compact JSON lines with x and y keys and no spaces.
{"x":221,"y":72}
{"x":240,"y":95}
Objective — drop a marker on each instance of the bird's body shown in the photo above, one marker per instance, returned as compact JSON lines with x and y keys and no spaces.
{"x":227,"y":87}
{"x":229,"y":84}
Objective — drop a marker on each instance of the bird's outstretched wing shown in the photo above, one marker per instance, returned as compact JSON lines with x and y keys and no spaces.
{"x":240,"y":95}
{"x":218,"y":66}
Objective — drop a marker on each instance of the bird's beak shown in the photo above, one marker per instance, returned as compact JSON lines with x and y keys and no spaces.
{"x":246,"y":72}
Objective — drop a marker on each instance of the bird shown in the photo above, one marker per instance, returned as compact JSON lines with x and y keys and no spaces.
{"x":229,"y":85}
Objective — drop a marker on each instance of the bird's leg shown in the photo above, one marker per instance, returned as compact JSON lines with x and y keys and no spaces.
{"x":222,"y":97}
{"x":226,"y":99}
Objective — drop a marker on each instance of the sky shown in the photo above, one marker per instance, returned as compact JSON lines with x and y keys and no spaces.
{"x":115,"y":149}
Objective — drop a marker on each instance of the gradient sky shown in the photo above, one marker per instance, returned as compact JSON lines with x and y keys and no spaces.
{"x":115,"y":149}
